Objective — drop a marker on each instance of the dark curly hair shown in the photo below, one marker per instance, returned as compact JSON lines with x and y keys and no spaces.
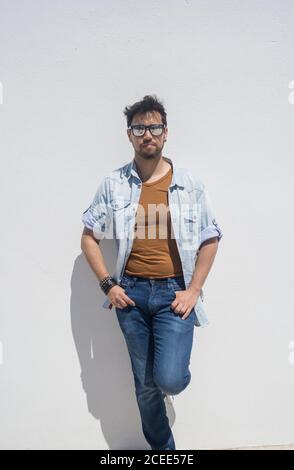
{"x":148,"y":103}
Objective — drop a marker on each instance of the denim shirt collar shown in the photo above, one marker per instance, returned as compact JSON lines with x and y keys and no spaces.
{"x":130,"y":170}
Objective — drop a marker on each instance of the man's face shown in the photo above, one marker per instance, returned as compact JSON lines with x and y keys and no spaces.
{"x":148,"y":146}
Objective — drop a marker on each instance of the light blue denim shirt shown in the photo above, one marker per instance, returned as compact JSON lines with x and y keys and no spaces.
{"x":113,"y":210}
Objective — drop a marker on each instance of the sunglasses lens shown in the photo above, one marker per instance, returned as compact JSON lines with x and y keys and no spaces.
{"x":156,"y":130}
{"x":138,"y":130}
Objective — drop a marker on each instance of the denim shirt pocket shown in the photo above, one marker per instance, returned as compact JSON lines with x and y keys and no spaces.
{"x":120,"y":215}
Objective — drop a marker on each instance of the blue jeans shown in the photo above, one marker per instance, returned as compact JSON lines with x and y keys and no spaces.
{"x":159,"y":343}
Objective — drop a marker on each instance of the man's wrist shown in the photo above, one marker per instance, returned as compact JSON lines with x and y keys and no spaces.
{"x":107,"y":283}
{"x":194,"y":289}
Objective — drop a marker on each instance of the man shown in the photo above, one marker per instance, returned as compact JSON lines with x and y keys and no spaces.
{"x":167,"y":238}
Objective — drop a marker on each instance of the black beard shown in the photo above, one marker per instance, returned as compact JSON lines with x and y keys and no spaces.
{"x":148,"y":157}
{"x":154,"y":155}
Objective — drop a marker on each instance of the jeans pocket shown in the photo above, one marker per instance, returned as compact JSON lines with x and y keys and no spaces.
{"x":127,"y":282}
{"x":124,"y":284}
{"x":177,"y":285}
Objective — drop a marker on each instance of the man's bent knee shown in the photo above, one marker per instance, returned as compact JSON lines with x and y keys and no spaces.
{"x":171,"y":386}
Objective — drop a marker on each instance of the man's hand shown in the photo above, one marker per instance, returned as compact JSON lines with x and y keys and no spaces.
{"x":184,"y":302}
{"x":118,"y":298}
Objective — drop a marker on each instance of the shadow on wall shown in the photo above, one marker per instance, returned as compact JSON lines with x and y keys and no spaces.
{"x":106,"y":374}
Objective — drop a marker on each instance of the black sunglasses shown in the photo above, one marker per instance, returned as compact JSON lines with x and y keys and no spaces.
{"x":139,"y":130}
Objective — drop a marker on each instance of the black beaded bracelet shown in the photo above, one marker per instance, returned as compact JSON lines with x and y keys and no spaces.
{"x":107,"y":283}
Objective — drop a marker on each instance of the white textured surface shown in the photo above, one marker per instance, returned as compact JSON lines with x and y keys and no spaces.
{"x":68,"y":68}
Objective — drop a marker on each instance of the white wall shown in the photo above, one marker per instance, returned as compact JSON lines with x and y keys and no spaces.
{"x":68,"y":68}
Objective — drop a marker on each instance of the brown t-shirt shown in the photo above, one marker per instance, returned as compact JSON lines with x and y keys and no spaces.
{"x":154,"y":253}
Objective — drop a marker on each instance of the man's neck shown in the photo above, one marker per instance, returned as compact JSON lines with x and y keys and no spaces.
{"x":151,"y":169}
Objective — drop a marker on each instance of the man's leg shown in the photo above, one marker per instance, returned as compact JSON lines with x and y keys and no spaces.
{"x":173,"y":338}
{"x":136,"y":325}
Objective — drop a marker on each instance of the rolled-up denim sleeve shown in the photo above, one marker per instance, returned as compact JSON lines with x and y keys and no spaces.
{"x":209,"y":226}
{"x":96,"y":217}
